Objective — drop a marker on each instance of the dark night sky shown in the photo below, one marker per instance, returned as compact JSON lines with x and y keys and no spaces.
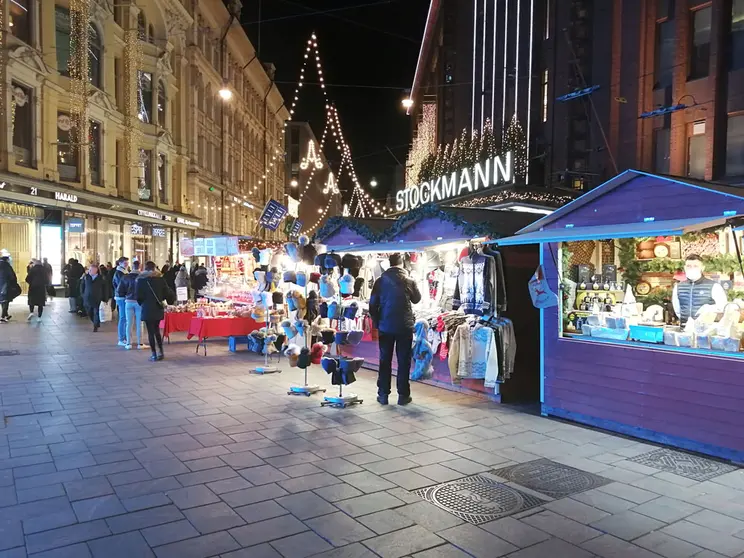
{"x":376,"y":45}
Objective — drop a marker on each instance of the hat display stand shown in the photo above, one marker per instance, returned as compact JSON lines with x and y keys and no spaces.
{"x":267,"y":368}
{"x":305,"y":389}
{"x":341,"y":401}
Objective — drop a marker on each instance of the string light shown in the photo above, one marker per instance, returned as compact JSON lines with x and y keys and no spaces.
{"x":78,"y":69}
{"x":330,"y":186}
{"x":511,"y":196}
{"x":312,"y":157}
{"x":132,"y":61}
{"x":424,"y":143}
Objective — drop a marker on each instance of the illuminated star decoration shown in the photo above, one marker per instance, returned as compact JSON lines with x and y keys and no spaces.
{"x":312,"y":157}
{"x":330,"y":186}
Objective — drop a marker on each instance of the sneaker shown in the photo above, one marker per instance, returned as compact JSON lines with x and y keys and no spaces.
{"x":153,"y":358}
{"x":161,"y":356}
{"x":4,"y":320}
{"x":38,"y":319}
{"x":122,"y":343}
{"x":30,"y":317}
{"x":405,"y":400}
{"x":128,"y":347}
{"x":95,"y":328}
{"x":382,"y":399}
{"x":143,"y":347}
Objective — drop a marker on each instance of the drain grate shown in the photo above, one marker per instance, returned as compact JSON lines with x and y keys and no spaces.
{"x":551,"y":478}
{"x":683,"y":464}
{"x":478,"y":499}
{"x":9,"y":353}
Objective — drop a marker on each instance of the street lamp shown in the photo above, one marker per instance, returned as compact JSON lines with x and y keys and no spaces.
{"x":407,"y":103}
{"x":294,"y":183}
{"x":225,"y":93}
{"x":373,"y":183}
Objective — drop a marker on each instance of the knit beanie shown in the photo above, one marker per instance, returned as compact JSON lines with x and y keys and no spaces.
{"x":350,"y":311}
{"x":317,"y":352}
{"x":269,"y":348}
{"x":327,"y":288}
{"x":277,"y":297}
{"x":289,"y":277}
{"x":355,"y":337}
{"x":346,"y":284}
{"x":328,"y":336}
{"x":301,"y":279}
{"x":323,"y":309}
{"x":256,"y":253}
{"x":304,"y":359}
{"x":315,"y":277}
{"x":308,"y":254}
{"x":330,"y":364}
{"x":289,"y":329}
{"x":292,"y":352}
{"x":334,"y":310}
{"x":302,"y":327}
{"x":259,"y":313}
{"x":292,"y":251}
{"x":265,"y":256}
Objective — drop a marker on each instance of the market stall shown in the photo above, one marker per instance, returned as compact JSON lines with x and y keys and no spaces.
{"x":646,"y":339}
{"x":438,"y":243}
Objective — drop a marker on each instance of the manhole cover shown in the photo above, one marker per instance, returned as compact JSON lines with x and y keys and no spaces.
{"x":683,"y":464}
{"x":478,"y":499}
{"x":550,"y":478}
{"x":8,"y":353}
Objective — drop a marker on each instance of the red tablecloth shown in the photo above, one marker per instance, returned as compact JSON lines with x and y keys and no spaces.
{"x":203,"y":328}
{"x":176,"y":321}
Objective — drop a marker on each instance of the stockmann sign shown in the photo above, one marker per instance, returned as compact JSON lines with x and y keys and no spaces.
{"x":491,"y":172}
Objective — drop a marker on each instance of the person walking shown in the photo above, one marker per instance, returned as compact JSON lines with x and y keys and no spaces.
{"x":92,"y":291}
{"x":9,"y":288}
{"x":38,"y":280}
{"x":127,"y":289}
{"x":73,"y":273}
{"x":121,"y":271}
{"x":182,"y":279}
{"x":153,"y":293}
{"x":392,"y":314}
{"x":50,"y":273}
{"x":201,"y":279}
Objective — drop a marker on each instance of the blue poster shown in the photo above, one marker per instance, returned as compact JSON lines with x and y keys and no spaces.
{"x":296,"y":228}
{"x":75,"y":225}
{"x":272,"y":215}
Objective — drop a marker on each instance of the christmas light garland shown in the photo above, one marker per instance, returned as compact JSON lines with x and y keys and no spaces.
{"x":512,"y":196}
{"x":132,"y":62}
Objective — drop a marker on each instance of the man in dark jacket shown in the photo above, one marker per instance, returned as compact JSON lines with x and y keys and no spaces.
{"x":73,"y":272}
{"x":9,"y":288}
{"x":38,"y":280}
{"x":127,"y":289}
{"x":391,"y":312}
{"x":92,"y":290}
{"x":50,"y":273}
{"x":121,"y":270}
{"x":152,"y":292}
{"x":201,"y":279}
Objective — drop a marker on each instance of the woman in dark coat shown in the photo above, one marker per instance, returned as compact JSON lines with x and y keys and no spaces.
{"x":38,"y":281}
{"x":92,"y":288}
{"x":152,"y":293}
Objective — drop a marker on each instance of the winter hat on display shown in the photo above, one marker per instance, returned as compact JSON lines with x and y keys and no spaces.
{"x":265,"y":256}
{"x":289,"y":277}
{"x":355,"y":337}
{"x":277,"y":297}
{"x":302,"y":327}
{"x":329,"y":262}
{"x":315,"y":277}
{"x":260,"y":276}
{"x":303,"y":361}
{"x":327,"y":288}
{"x":341,"y":337}
{"x":312,"y":310}
{"x":350,"y":310}
{"x":318,"y":260}
{"x":358,"y":284}
{"x":317,"y":352}
{"x":292,"y":251}
{"x":256,"y":253}
{"x":318,"y":325}
{"x":289,"y":329}
{"x":255,"y":342}
{"x":269,"y":348}
{"x":334,"y":310}
{"x":259,"y":313}
{"x":328,"y":336}
{"x":304,"y":240}
{"x":346,"y":284}
{"x":323,"y":309}
{"x":293,"y":353}
{"x":298,"y":303}
{"x":301,"y":279}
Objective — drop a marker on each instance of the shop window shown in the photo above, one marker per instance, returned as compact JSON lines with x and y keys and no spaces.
{"x":700,"y":21}
{"x":67,"y":148}
{"x":95,"y":51}
{"x":19,"y":12}
{"x":737,"y":35}
{"x":145,"y":175}
{"x":62,"y":34}
{"x":162,"y":175}
{"x":735,"y":146}
{"x":161,"y":103}
{"x":141,"y":27}
{"x":665,"y":50}
{"x":24,"y":128}
{"x":144,"y":96}
{"x":151,"y":34}
{"x":696,"y":150}
{"x":94,"y":152}
{"x":661,"y":150}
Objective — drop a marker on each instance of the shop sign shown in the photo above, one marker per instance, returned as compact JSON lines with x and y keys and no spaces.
{"x":187,"y":222}
{"x":158,"y":231}
{"x":75,"y":225}
{"x":492,"y":172}
{"x":150,"y":214}
{"x":272,"y":215}
{"x":17,"y":210}
{"x":296,"y":228}
{"x":65,"y":197}
{"x":137,"y":229}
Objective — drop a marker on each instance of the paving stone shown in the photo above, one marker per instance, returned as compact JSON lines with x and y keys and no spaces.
{"x":515,"y":532}
{"x":98,"y":508}
{"x":356,"y":550}
{"x":144,"y":502}
{"x":667,"y":509}
{"x":69,"y":462}
{"x":608,"y":546}
{"x":65,"y":536}
{"x":269,"y":530}
{"x":80,"y":550}
{"x":403,"y":542}
{"x":202,"y":477}
{"x":561,"y":527}
{"x":705,"y":538}
{"x":129,"y":477}
{"x":576,"y":510}
{"x":228,"y":485}
{"x":409,"y":480}
{"x":301,"y":470}
{"x":88,"y":488}
{"x":384,"y":451}
{"x":192,"y":496}
{"x":667,"y":546}
{"x":367,"y":482}
{"x":480,"y":456}
{"x":40,"y":493}
{"x":362,"y":458}
{"x":627,"y":525}
{"x":301,"y":545}
{"x":390,"y":465}
{"x":146,"y":487}
{"x":438,"y":473}
{"x":385,"y":521}
{"x":337,"y":466}
{"x":169,"y":533}
{"x":110,"y":468}
{"x":243,"y":459}
{"x":213,"y":517}
{"x":143,"y":519}
{"x":52,"y":520}
{"x":253,"y":495}
{"x":165,"y":468}
{"x":127,"y":545}
{"x":442,"y":551}
{"x":305,"y":505}
{"x":259,"y":551}
{"x":603,"y":501}
{"x":45,"y":480}
{"x":336,"y":492}
{"x":477,"y":542}
{"x":260,"y":511}
{"x":309,"y":482}
{"x":627,"y":492}
{"x":11,"y":534}
{"x":263,"y":475}
{"x":717,"y":522}
{"x":429,"y":516}
{"x":369,"y":503}
{"x":199,"y":547}
{"x":552,"y":548}
{"x":339,"y":529}
{"x":465,"y":466}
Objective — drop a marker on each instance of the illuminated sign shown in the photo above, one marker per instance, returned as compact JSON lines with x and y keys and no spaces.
{"x":150,"y":214}
{"x":75,"y":225}
{"x":187,"y":222}
{"x":137,"y":229}
{"x":158,"y":231}
{"x":492,"y":172}
{"x":62,"y":196}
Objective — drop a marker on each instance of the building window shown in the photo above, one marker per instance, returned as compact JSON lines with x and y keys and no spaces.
{"x":735,"y":146}
{"x":23,"y":124}
{"x":141,"y":27}
{"x":665,"y":50}
{"x":700,"y":42}
{"x":119,"y":166}
{"x":661,"y":150}
{"x":162,"y":174}
{"x":144,"y":188}
{"x":696,"y":150}
{"x":20,"y":19}
{"x":67,"y":149}
{"x":144,"y":97}
{"x":545,"y":96}
{"x":94,"y":152}
{"x":94,"y":57}
{"x":737,"y":35}
{"x":118,"y":14}
{"x":62,"y":33}
{"x":161,"y":104}
{"x":151,"y":34}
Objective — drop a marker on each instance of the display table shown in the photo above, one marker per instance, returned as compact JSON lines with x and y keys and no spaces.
{"x":204,"y":328}
{"x":176,"y":321}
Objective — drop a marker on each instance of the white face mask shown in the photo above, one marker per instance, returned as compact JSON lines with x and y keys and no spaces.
{"x":693,"y":274}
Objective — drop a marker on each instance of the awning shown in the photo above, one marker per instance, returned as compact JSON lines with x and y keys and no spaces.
{"x":398,"y":246}
{"x":675,"y":227}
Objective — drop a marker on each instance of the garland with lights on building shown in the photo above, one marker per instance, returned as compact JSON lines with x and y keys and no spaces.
{"x":516,"y":142}
{"x":541,"y":198}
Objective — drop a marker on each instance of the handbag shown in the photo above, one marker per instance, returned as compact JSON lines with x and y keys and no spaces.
{"x":160,"y":302}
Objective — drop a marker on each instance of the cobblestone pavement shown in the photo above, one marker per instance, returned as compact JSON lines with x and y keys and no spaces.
{"x":105,"y":454}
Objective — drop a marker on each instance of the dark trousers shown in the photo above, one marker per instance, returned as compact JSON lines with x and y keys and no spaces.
{"x":40,"y":309}
{"x":402,"y":344}
{"x":94,"y":315}
{"x":153,"y":334}
{"x":5,"y":305}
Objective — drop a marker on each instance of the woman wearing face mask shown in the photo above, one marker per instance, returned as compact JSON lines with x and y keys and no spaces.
{"x":696,"y":291}
{"x":92,"y":290}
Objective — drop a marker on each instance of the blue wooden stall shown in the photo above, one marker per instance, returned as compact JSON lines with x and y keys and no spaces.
{"x":684,"y":397}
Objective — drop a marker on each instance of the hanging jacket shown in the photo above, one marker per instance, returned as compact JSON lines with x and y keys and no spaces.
{"x":474,"y":291}
{"x":422,"y":354}
{"x":485,"y":356}
{"x":460,"y":358}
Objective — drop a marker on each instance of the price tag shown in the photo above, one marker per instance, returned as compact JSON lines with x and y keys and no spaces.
{"x":182,"y":294}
